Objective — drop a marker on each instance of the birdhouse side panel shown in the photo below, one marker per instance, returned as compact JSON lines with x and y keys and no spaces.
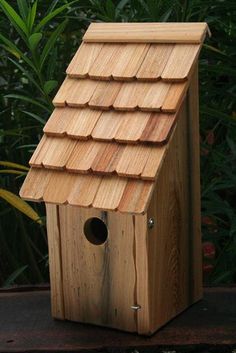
{"x":173,"y":247}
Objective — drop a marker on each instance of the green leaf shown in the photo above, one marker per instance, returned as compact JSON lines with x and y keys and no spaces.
{"x":11,"y":279}
{"x":23,"y":8}
{"x":11,"y":171}
{"x":20,"y":205}
{"x":32,"y":15}
{"x":13,"y":16}
{"x":13,"y":48}
{"x":34,"y":40}
{"x":50,"y":85}
{"x":34,"y":116}
{"x":27,"y":74}
{"x":13,"y":165}
{"x":29,"y":100}
{"x":51,"y":15}
{"x":51,"y":41}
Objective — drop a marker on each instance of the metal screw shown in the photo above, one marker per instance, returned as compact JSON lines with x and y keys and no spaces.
{"x":135,"y":307}
{"x":151,"y":223}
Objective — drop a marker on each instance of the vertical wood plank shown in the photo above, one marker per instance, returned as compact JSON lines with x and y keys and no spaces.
{"x":194,"y":151}
{"x":99,"y":280}
{"x":169,"y":239}
{"x":55,"y":264}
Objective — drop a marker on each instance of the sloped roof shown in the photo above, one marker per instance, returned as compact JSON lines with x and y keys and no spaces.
{"x":106,"y":139}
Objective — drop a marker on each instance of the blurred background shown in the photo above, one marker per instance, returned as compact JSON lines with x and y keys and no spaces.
{"x":37,"y":41}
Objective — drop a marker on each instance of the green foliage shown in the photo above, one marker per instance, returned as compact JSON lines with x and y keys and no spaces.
{"x":37,"y":41}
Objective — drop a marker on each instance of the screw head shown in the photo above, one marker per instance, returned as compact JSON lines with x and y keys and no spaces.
{"x":151,"y":223}
{"x":135,"y":307}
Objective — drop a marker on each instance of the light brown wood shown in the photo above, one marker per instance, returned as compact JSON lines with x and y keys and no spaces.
{"x":107,"y":125}
{"x":35,"y":157}
{"x":94,"y":294}
{"x":67,"y":86}
{"x":59,"y":121}
{"x":136,"y":196}
{"x":106,"y":61}
{"x":105,"y":94}
{"x":174,"y":97}
{"x":182,"y":57}
{"x":158,"y":128}
{"x":83,"y":123}
{"x":83,"y":156}
{"x":131,"y":127}
{"x":154,"y":163}
{"x":133,"y":160}
{"x":58,"y":187}
{"x":146,"y":32}
{"x":34,"y":185}
{"x":109,"y":193}
{"x":129,"y":62}
{"x":57,"y":152}
{"x":84,"y":190}
{"x":107,"y":158}
{"x":55,"y":262}
{"x":142,"y":281}
{"x":154,"y":62}
{"x":83,"y":59}
{"x":81,"y":92}
{"x":154,"y":97}
{"x":195,"y":195}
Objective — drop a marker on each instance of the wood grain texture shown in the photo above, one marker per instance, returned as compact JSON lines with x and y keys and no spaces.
{"x":34,"y":185}
{"x":146,"y":32}
{"x":181,"y":59}
{"x":174,"y":98}
{"x":59,"y":121}
{"x":52,"y":152}
{"x":136,"y":196}
{"x":107,"y":158}
{"x":58,"y":188}
{"x":84,"y":190}
{"x":106,"y":61}
{"x":153,"y":163}
{"x":83,"y":156}
{"x":109,"y":193}
{"x":195,"y":196}
{"x":107,"y":125}
{"x":105,"y":94}
{"x":131,"y":126}
{"x":83,"y":123}
{"x":170,"y":280}
{"x":83,"y":60}
{"x":158,"y":128}
{"x":133,"y":160}
{"x":154,"y":62}
{"x":55,"y":262}
{"x":67,"y":86}
{"x":81,"y":92}
{"x":93,"y":295}
{"x":154,"y":97}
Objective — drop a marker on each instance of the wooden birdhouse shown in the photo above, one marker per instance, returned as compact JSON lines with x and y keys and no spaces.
{"x":118,"y":170}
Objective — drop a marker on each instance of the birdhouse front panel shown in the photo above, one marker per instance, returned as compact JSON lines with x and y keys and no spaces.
{"x":118,"y":169}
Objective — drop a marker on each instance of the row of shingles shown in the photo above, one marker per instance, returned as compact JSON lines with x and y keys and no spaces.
{"x":105,"y":158}
{"x":147,"y":62}
{"x":123,"y":127}
{"x":124,"y":96}
{"x":102,"y":192}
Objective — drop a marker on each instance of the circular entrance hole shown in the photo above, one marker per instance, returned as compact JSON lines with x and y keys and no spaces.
{"x":95,"y":231}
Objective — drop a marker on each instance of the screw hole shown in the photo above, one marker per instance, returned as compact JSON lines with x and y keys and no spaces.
{"x":9,"y":341}
{"x":95,"y":230}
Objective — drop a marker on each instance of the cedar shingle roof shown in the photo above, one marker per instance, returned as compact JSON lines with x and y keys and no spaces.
{"x":104,"y":143}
